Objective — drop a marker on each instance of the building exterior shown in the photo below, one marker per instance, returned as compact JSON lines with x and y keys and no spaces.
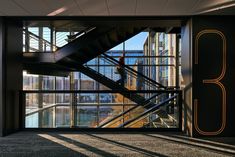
{"x":161,"y":48}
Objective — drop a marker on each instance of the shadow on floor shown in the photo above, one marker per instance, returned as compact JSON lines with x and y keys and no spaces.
{"x":202,"y":143}
{"x":222,"y":140}
{"x":34,"y":145}
{"x":130,"y":147}
{"x":87,"y":147}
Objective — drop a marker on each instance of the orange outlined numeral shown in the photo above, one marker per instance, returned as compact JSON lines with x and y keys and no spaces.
{"x":212,"y":81}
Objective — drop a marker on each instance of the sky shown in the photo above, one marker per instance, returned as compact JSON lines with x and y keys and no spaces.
{"x":134,"y":43}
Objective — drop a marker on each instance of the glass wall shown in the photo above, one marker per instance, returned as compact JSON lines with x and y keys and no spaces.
{"x":156,"y":60}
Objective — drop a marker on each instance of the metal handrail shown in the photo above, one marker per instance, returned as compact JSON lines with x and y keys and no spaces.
{"x":133,"y":71}
{"x":154,"y":108}
{"x":100,"y":91}
{"x":129,"y":110}
{"x":147,"y":115}
{"x":38,"y":38}
{"x":151,"y":109}
{"x":75,"y":36}
{"x":66,"y":104}
{"x":41,"y":109}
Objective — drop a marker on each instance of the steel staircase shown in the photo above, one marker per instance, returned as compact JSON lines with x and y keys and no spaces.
{"x":82,"y":49}
{"x":152,"y":110}
{"x":88,"y":44}
{"x":138,"y":99}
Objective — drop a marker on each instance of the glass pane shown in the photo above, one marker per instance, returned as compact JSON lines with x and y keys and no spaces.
{"x":31,"y":121}
{"x":88,"y":98}
{"x":87,"y":116}
{"x":48,"y":99}
{"x":30,"y":82}
{"x":62,"y":116}
{"x":47,"y":118}
{"x":63,"y":99}
{"x":108,"y":112}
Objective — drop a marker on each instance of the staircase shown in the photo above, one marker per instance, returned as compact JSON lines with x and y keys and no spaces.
{"x":96,"y":41}
{"x":92,"y":43}
{"x":111,"y":84}
{"x":152,"y":111}
{"x":138,"y":99}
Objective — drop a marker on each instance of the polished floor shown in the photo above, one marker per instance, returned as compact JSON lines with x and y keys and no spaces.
{"x":73,"y":144}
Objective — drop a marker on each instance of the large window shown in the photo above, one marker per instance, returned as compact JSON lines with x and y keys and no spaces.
{"x":152,"y":58}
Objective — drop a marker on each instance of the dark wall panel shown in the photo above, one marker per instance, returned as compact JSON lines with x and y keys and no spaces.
{"x":213,"y":76}
{"x":10,"y":75}
{"x":13,"y":73}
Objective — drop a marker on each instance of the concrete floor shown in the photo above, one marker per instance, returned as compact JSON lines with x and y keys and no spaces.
{"x":62,"y":144}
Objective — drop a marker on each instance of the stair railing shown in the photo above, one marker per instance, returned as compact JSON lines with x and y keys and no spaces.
{"x":33,"y":41}
{"x":144,"y":104}
{"x":133,"y":72}
{"x":148,"y":111}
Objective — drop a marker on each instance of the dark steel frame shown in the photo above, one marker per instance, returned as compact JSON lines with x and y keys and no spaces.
{"x":121,"y":21}
{"x":22,"y":114}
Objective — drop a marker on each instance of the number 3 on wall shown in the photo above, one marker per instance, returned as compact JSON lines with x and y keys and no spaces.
{"x":215,"y":81}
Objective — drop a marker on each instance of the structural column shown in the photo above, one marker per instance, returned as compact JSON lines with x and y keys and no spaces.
{"x":177,"y":64}
{"x":186,"y":38}
{"x":2,"y":94}
{"x":11,"y":38}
